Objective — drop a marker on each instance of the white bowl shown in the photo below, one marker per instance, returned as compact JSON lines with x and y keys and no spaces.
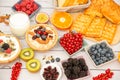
{"x":52,"y":65}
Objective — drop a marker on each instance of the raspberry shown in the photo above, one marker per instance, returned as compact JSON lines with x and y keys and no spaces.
{"x":35,"y":6}
{"x":1,"y":40}
{"x":28,"y":6}
{"x":8,"y":50}
{"x":17,"y":6}
{"x":28,"y":12}
{"x":23,"y":4}
{"x":23,"y":9}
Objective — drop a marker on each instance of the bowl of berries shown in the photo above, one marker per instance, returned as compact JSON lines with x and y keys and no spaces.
{"x":76,"y":68}
{"x":101,"y":53}
{"x":72,"y":43}
{"x":30,"y":7}
{"x":51,"y":72}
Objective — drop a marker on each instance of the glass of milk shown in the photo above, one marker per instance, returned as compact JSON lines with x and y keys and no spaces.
{"x":19,"y":23}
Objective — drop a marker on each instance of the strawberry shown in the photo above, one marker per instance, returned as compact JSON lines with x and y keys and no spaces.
{"x":9,"y":50}
{"x":1,"y":40}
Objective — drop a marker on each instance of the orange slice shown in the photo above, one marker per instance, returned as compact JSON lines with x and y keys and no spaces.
{"x":42,"y":18}
{"x":62,"y":20}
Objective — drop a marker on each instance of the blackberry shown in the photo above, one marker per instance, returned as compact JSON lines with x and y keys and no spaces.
{"x":5,"y":46}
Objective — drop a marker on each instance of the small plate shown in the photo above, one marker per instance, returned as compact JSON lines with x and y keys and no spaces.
{"x":115,"y":57}
{"x":52,"y":65}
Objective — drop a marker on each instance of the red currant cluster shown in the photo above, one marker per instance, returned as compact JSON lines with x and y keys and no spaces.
{"x":104,"y":76}
{"x":71,"y":42}
{"x":16,"y":71}
{"x":27,"y":6}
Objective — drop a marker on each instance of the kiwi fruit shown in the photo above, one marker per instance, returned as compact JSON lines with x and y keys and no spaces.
{"x":27,"y":54}
{"x":33,"y":65}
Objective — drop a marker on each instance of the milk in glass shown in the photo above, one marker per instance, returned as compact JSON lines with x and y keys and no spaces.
{"x":19,"y":23}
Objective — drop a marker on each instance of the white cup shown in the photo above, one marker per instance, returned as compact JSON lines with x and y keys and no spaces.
{"x":19,"y":23}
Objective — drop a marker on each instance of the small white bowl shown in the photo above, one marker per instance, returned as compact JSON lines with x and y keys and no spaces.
{"x":52,"y":65}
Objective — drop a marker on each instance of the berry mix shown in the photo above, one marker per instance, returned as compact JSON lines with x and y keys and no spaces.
{"x":71,"y":42}
{"x":6,"y":47}
{"x":16,"y":71}
{"x":27,"y":6}
{"x":42,"y":33}
{"x":101,"y":53}
{"x":50,"y":73}
{"x":104,"y":76}
{"x":75,"y":68}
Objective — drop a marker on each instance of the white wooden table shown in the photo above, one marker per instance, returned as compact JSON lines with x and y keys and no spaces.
{"x":47,"y":6}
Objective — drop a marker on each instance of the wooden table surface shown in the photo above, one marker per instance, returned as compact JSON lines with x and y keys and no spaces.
{"x":47,"y":6}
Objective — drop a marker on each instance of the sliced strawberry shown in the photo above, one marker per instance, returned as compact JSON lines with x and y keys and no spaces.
{"x":8,"y":50}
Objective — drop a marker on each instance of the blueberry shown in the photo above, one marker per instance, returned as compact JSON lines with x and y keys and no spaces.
{"x":95,"y":52}
{"x":99,"y":50}
{"x":38,"y":35}
{"x":103,"y":44}
{"x":97,"y":58}
{"x":110,"y":58}
{"x":47,"y":62}
{"x":102,"y":52}
{"x":92,"y":56}
{"x":43,"y":37}
{"x":100,"y":61}
{"x":52,"y":60}
{"x":104,"y":59}
{"x":97,"y":46}
{"x":112,"y":54}
{"x":97,"y":63}
{"x":108,"y":54}
{"x":57,"y":59}
{"x":98,"y":54}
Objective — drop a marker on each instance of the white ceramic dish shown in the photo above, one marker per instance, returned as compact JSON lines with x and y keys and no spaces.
{"x":52,"y":65}
{"x":115,"y":57}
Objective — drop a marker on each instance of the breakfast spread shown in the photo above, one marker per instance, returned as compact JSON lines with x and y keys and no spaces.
{"x":43,"y":36}
{"x":27,"y":54}
{"x":61,"y":20}
{"x":33,"y":65}
{"x":98,"y":23}
{"x":9,"y":48}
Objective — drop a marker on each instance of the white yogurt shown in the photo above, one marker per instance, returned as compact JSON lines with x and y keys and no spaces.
{"x":19,"y":23}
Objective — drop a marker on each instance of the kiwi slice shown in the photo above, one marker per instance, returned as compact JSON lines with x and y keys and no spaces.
{"x":33,"y":65}
{"x":27,"y":54}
